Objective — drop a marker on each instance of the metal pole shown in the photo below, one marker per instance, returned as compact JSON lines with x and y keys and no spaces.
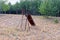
{"x":26,"y":18}
{"x":22,"y":19}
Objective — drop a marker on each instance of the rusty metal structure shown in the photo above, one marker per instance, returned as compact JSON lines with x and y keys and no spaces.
{"x":29,"y":19}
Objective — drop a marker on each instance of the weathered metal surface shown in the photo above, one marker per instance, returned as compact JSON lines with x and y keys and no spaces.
{"x":30,"y":19}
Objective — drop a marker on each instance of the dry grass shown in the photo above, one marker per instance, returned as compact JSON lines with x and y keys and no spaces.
{"x":45,"y":29}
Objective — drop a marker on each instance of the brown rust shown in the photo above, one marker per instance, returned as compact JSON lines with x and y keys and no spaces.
{"x":30,"y":19}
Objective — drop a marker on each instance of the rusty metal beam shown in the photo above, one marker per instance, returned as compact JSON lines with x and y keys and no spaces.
{"x":30,"y":19}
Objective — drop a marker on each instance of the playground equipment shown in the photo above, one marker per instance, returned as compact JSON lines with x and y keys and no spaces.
{"x":28,"y":21}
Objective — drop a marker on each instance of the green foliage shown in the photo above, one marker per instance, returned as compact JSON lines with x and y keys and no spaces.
{"x":48,"y":7}
{"x":56,"y":21}
{"x":45,"y":7}
{"x":31,"y":5}
{"x":17,"y":6}
{"x":5,"y":7}
{"x":1,"y":2}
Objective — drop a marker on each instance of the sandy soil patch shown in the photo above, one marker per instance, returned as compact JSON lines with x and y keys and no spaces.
{"x":45,"y":29}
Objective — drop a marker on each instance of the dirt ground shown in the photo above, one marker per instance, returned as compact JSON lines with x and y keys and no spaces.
{"x":45,"y":29}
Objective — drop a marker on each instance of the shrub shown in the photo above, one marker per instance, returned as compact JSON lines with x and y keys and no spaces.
{"x":56,"y":21}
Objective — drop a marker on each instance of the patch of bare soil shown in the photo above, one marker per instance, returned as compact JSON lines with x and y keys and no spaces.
{"x":45,"y":29}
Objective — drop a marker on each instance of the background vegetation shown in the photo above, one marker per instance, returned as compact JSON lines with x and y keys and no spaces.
{"x":35,"y":7}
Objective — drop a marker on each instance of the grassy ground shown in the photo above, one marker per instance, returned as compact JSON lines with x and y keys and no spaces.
{"x":45,"y":29}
